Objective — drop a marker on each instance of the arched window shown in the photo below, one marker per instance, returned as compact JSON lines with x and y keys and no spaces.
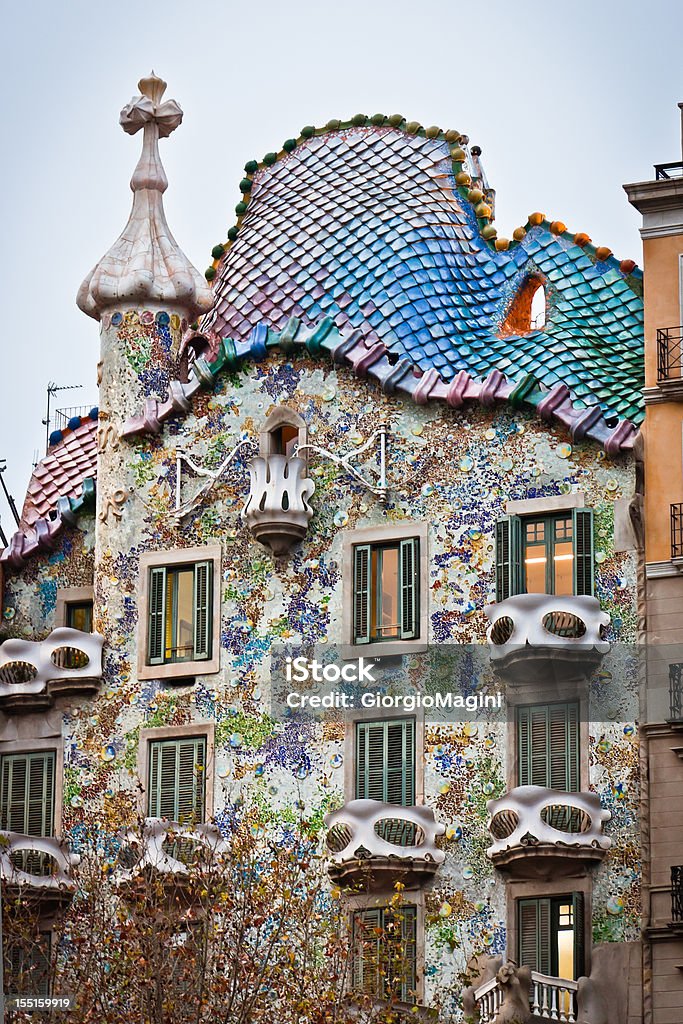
{"x":528,"y":308}
{"x":196,"y":346}
{"x":284,"y":432}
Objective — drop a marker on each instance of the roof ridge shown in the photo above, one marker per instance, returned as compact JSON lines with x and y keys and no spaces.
{"x":393,"y":374}
{"x":43,"y":534}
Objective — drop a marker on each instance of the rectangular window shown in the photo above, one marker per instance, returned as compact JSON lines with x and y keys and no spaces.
{"x":27,"y":965}
{"x":180,"y":613}
{"x":79,"y":615}
{"x":545,"y":555}
{"x":385,"y":761}
{"x":548,"y":746}
{"x":177,"y":779}
{"x":27,"y":793}
{"x":386,"y":591}
{"x":384,"y":945}
{"x":550,"y":936}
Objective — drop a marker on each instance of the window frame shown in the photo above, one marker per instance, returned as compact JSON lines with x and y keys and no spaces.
{"x":53,"y":744}
{"x":385,"y":535}
{"x":196,"y":730}
{"x":384,"y":915}
{"x":575,"y":740}
{"x":69,"y":596}
{"x":177,"y":559}
{"x":510,"y":543}
{"x":551,"y":888}
{"x":4,"y":755}
{"x":577,"y":900}
{"x":357,"y":902}
{"x":409,"y":739}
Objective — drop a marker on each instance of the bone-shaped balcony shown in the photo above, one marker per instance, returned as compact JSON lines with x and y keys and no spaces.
{"x":169,"y":848}
{"x":368,"y":840}
{"x":277,"y":510}
{"x":39,"y":863}
{"x":33,"y":674}
{"x":537,"y":831}
{"x":529,"y":633}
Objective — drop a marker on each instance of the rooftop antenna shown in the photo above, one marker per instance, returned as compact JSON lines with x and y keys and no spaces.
{"x":10,"y":499}
{"x":52,"y":388}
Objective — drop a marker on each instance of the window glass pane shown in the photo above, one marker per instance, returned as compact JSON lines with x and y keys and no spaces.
{"x":535,"y":557}
{"x":178,"y":631}
{"x":565,"y":953}
{"x":79,"y":616}
{"x":563,"y":557}
{"x":384,"y":599}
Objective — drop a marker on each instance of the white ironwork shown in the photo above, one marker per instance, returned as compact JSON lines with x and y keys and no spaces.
{"x":550,"y":999}
{"x":517,"y":819}
{"x":14,"y":869}
{"x":379,"y":487}
{"x":28,"y":667}
{"x":149,"y":846}
{"x":183,"y":509}
{"x":371,"y":825}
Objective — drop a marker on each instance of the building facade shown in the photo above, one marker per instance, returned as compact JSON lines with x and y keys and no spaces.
{"x":374,"y":429}
{"x":661,"y":204}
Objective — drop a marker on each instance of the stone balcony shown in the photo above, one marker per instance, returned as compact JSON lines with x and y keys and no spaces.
{"x":538,"y":832}
{"x":529,"y":633}
{"x":167,"y":847}
{"x":378,"y":843}
{"x":549,"y":999}
{"x":40,"y":865}
{"x":33,"y":674}
{"x":277,"y":510}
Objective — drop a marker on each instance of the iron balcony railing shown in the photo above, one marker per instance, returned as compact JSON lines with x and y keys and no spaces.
{"x":677,"y":530}
{"x":62,"y":416}
{"x":676,"y":692}
{"x":669,"y":341}
{"x":664,"y":172}
{"x":677,"y":894}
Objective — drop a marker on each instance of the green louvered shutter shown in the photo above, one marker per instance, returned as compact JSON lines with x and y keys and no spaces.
{"x":578,"y":902}
{"x":361,"y":593}
{"x":408,"y":952}
{"x":177,"y":771}
{"x":584,"y":565}
{"x":508,"y":557}
{"x":367,"y":929}
{"x":409,"y":575}
{"x":534,"y":942}
{"x":548,"y":746}
{"x":27,"y":793}
{"x":157,"y":616}
{"x":385,"y":761}
{"x":28,"y":965}
{"x":202,"y":611}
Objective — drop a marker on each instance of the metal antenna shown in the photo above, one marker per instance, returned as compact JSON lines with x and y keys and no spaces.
{"x":52,"y":388}
{"x":10,"y":499}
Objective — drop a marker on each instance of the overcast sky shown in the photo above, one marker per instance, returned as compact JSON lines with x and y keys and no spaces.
{"x":567,"y":100}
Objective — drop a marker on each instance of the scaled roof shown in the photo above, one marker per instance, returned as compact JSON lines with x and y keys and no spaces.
{"x":386,"y":228}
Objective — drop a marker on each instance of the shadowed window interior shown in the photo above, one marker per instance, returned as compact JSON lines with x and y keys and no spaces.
{"x":79,"y":615}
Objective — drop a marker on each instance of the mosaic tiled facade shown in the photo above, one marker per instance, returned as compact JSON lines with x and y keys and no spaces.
{"x":375,"y":227}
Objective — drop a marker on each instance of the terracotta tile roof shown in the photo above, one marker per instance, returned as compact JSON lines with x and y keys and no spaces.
{"x":69,"y":461}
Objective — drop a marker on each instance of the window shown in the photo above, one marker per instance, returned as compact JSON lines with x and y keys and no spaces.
{"x":384,"y":958}
{"x":551,"y":931}
{"x":385,"y":761}
{"x":177,"y":779}
{"x":386,"y":591}
{"x":27,"y":797}
{"x":179,"y":613}
{"x":27,"y":965}
{"x":284,"y":432}
{"x":548,"y":746}
{"x":550,"y":554}
{"x":79,"y":615}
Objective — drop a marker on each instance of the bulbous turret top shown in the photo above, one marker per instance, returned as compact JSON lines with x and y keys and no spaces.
{"x":145,"y":266}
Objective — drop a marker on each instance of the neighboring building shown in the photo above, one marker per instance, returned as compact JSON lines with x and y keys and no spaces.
{"x":416,"y":437}
{"x":661,"y":204}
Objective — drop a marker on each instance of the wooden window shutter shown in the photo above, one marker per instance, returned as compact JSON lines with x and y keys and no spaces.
{"x":202,"y":610}
{"x":579,"y":913}
{"x":508,"y":557}
{"x":584,"y":564}
{"x":27,"y":793}
{"x":177,"y":770}
{"x":563,"y":743}
{"x":157,"y":616}
{"x":409,"y":575}
{"x":385,"y":761}
{"x":408,"y":952}
{"x":361,"y":594}
{"x":367,"y":929}
{"x":534,"y":926}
